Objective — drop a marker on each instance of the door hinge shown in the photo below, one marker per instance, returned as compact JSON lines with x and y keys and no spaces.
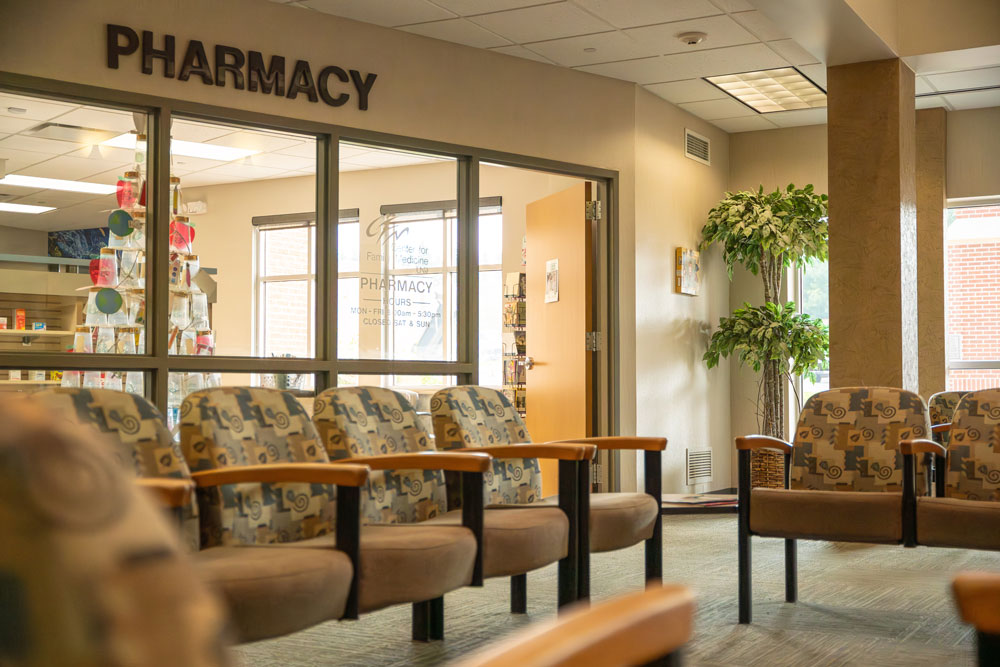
{"x":593,"y":341}
{"x":593,"y":210}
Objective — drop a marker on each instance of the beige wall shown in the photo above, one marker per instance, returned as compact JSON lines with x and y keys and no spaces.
{"x":973,"y":153}
{"x":676,"y":396}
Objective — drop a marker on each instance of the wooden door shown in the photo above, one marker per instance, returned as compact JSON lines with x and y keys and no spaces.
{"x":560,"y":382}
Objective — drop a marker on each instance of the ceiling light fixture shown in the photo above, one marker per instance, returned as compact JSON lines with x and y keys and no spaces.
{"x":692,"y":38}
{"x":771,"y":90}
{"x":57,"y":184}
{"x":25,"y":208}
{"x":17,"y":110}
{"x":188,"y":148}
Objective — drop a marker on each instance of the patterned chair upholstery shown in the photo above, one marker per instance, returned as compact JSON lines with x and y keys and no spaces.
{"x":968,"y":515}
{"x":845,"y":476}
{"x":238,"y":426}
{"x":93,"y":559}
{"x":472,"y":416}
{"x":139,"y":437}
{"x":942,"y":410}
{"x":369,"y":421}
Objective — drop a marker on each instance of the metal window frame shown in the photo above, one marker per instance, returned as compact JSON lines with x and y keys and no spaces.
{"x":156,"y":363}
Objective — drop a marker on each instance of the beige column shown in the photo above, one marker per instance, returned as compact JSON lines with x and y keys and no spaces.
{"x":931,"y":167}
{"x":873,"y":225}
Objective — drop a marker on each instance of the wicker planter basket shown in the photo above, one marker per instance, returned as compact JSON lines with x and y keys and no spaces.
{"x":767,"y":469}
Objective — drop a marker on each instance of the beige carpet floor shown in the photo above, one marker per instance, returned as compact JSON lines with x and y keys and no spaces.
{"x":859,"y":605}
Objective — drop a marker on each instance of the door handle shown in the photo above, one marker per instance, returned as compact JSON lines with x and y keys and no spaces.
{"x":529,"y":363}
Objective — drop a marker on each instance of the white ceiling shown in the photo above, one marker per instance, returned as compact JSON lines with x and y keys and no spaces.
{"x":635,"y":40}
{"x":280,"y":156}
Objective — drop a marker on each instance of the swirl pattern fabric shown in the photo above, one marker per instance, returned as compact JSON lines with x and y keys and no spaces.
{"x":471,"y":416}
{"x":369,"y":421}
{"x":93,"y":560}
{"x":237,"y":426}
{"x":974,"y":449}
{"x":942,"y":410}
{"x":139,"y":437}
{"x":847,"y":439}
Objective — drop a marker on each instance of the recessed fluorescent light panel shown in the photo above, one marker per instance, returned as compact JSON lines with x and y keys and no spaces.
{"x":24,"y":208}
{"x":771,"y":90}
{"x":188,"y":148}
{"x":57,"y":184}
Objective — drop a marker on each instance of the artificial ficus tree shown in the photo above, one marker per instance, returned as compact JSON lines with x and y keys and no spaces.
{"x":766,"y":232}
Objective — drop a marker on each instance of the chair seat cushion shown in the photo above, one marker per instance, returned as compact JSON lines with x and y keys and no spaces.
{"x":518,"y":540}
{"x":953,"y":522}
{"x":839,"y":516}
{"x":273,"y":591}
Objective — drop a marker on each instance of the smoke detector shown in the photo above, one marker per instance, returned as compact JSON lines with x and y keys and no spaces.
{"x":692,"y":38}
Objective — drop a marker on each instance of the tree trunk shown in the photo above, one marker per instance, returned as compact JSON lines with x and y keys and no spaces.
{"x":768,"y":466}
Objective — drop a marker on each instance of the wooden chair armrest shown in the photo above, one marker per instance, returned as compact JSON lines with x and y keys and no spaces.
{"x":618,"y":442}
{"x":634,"y":629}
{"x":978,"y":598}
{"x":567,"y":452}
{"x":170,"y":491}
{"x":922,"y":445}
{"x":753,"y":442}
{"x":453,"y":460}
{"x":341,"y":474}
{"x":941,"y":428}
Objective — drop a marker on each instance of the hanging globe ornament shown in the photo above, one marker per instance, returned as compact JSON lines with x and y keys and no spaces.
{"x":120,"y":223}
{"x":108,"y":301}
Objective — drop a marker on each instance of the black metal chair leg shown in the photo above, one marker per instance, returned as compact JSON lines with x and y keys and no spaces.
{"x":436,"y":618}
{"x":743,"y":527}
{"x":519,"y":594}
{"x":791,"y":572}
{"x":569,"y":504}
{"x":421,"y":621}
{"x":654,"y":545}
{"x":583,"y":531}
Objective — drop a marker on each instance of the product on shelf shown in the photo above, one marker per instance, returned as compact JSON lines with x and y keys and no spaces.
{"x":19,"y":319}
{"x":515,"y":338}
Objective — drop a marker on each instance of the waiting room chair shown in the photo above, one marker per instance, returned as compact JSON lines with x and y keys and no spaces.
{"x":366,"y":421}
{"x":269,"y":592}
{"x":473,"y":418}
{"x":966,"y":510}
{"x":90,"y":571}
{"x":843,"y":477}
{"x":232,"y":427}
{"x":977,"y":595}
{"x":644,"y":628}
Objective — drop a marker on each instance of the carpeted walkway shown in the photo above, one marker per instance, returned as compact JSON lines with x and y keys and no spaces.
{"x":859,"y":605}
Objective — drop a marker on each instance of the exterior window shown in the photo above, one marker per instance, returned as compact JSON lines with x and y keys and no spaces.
{"x":286,"y":276}
{"x":972,"y":297}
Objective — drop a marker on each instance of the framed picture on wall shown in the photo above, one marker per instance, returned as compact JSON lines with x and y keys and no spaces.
{"x":687,"y":271}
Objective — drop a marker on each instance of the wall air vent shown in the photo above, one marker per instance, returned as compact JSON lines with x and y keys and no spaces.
{"x":697,"y":147}
{"x":698,"y":466}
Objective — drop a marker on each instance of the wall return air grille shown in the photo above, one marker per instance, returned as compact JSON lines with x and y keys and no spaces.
{"x":698,"y":466}
{"x":697,"y":147}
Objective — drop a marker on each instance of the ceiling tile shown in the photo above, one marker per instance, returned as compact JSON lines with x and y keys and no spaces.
{"x":469,"y":7}
{"x":692,"y":65}
{"x":542,"y":22}
{"x":118,"y":121}
{"x":181,"y":165}
{"x":34,"y":109}
{"x":49,"y":146}
{"x":70,"y":168}
{"x":923,"y":86}
{"x":690,"y":90}
{"x":389,"y":13}
{"x":259,"y":141}
{"x":350,"y":150}
{"x":798,"y":117}
{"x":715,"y":109}
{"x":608,"y":47}
{"x":976,"y":78}
{"x":390,"y":159}
{"x":459,"y":31}
{"x":733,"y":5}
{"x":58,"y":198}
{"x":14,"y":124}
{"x":241,"y":172}
{"x":817,"y":73}
{"x":790,"y":50}
{"x":632,"y":13}
{"x":187,"y":131}
{"x":761,"y":26}
{"x":98,"y":152}
{"x":276,"y":161}
{"x":746,"y":124}
{"x":304,"y":149}
{"x":930,"y":102}
{"x":978,"y":99}
{"x":18,"y":160}
{"x":521,"y":52}
{"x":722,"y":31}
